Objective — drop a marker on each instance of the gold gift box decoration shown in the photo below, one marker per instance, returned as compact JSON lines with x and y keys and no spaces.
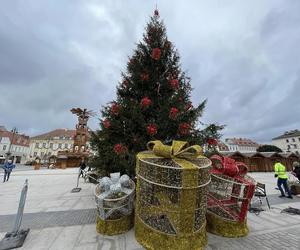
{"x":171,"y":197}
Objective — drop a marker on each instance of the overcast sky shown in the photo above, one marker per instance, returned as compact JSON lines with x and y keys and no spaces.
{"x":243,"y":56}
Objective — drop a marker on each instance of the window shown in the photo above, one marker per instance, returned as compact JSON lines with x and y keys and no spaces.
{"x":44,"y":145}
{"x":287,"y":140}
{"x":35,"y":154}
{"x":59,"y":145}
{"x":4,"y":147}
{"x":295,"y":146}
{"x":66,"y":145}
{"x":293,"y":140}
{"x":51,"y":145}
{"x":37,"y":145}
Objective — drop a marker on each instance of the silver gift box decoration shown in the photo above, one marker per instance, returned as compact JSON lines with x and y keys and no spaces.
{"x":109,"y":205}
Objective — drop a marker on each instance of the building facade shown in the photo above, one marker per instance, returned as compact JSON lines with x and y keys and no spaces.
{"x":242,"y":145}
{"x":47,"y":145}
{"x":288,"y":142}
{"x":222,"y":147}
{"x":13,"y":146}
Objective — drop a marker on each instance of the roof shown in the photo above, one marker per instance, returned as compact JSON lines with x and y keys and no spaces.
{"x":15,"y":139}
{"x":263,"y":154}
{"x":241,"y":142}
{"x":222,"y":146}
{"x":2,"y":128}
{"x":270,"y":154}
{"x":55,"y":133}
{"x":286,"y":155}
{"x":251,"y":154}
{"x":230,"y":153}
{"x":288,"y":134}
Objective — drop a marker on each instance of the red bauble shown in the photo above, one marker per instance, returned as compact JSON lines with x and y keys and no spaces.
{"x":212,"y":142}
{"x":115,"y":108}
{"x":156,"y":13}
{"x":152,"y":129}
{"x":184,"y":128}
{"x":120,"y":149}
{"x":106,"y":123}
{"x":145,"y":77}
{"x":174,"y":83}
{"x":173,"y":113}
{"x":156,"y":52}
{"x":145,"y":102}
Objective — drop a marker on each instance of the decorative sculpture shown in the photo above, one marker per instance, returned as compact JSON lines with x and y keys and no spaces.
{"x":114,"y":198}
{"x":229,"y":196}
{"x":171,"y":197}
{"x":82,"y":134}
{"x":66,"y":158}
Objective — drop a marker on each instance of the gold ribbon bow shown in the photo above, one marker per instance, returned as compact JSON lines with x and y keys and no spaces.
{"x":179,"y":149}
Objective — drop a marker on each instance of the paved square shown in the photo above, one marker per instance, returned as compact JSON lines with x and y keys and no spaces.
{"x":63,"y":220}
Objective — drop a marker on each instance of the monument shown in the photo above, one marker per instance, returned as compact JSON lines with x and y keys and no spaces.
{"x":80,"y":150}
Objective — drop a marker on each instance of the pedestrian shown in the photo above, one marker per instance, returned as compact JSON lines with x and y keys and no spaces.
{"x":296,"y":169}
{"x":82,"y":166}
{"x":280,"y":174}
{"x":8,"y":167}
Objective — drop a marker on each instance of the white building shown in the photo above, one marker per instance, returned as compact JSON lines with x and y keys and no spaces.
{"x":13,"y":146}
{"x":222,"y":147}
{"x":45,"y":145}
{"x":242,"y":145}
{"x":288,"y":142}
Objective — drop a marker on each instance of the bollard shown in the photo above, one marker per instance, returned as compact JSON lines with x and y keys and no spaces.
{"x":16,"y":237}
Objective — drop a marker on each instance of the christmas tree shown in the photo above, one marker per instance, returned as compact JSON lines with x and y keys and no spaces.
{"x":153,"y":103}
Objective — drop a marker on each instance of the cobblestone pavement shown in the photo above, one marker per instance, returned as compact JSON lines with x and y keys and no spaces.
{"x":50,"y":219}
{"x":287,"y":239}
{"x":60,"y":220}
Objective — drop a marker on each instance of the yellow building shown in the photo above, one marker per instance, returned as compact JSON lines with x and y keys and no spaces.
{"x":45,"y":145}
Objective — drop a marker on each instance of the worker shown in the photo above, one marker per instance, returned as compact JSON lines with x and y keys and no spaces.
{"x":282,"y":178}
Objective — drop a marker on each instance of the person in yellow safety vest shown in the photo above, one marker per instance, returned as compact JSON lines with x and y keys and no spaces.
{"x":282,"y":178}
